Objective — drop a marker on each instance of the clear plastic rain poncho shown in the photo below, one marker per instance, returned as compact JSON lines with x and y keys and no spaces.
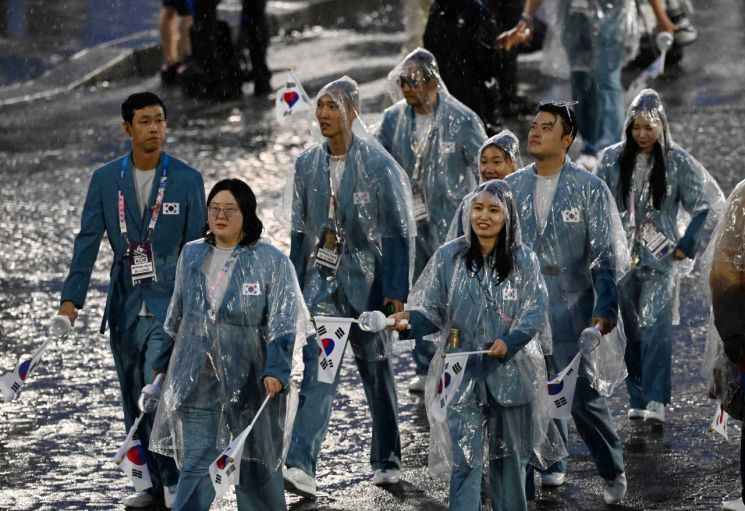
{"x":581,"y":246}
{"x":724,"y":264}
{"x":438,"y":151}
{"x":360,"y":238}
{"x":450,"y":295}
{"x":507,"y":142}
{"x":691,"y":206}
{"x":258,"y":328}
{"x":611,"y":22}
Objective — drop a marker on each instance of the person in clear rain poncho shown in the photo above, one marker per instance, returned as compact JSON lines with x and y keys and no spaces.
{"x":352,"y":235}
{"x":237,"y":316}
{"x":484,"y":291}
{"x":498,"y":157}
{"x":435,"y":138}
{"x":657,"y":186}
{"x":724,"y":360}
{"x":568,"y":218}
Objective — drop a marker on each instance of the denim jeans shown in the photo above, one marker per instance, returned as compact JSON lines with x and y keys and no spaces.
{"x":133,"y":351}
{"x":647,"y":298}
{"x":595,"y":48}
{"x":259,"y":490}
{"x":317,"y":398}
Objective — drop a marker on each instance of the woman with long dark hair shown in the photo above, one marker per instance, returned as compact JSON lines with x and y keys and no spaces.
{"x":235,"y":315}
{"x":657,"y":187}
{"x":484,"y":291}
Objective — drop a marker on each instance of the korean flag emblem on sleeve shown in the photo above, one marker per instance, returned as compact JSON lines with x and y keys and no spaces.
{"x":170,"y":208}
{"x":251,"y":289}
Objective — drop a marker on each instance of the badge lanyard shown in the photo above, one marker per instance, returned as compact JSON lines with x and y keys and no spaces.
{"x":645,"y":231}
{"x":156,"y":207}
{"x":480,"y":276}
{"x":224,"y":272}
{"x":140,"y":253}
{"x":331,"y":217}
{"x":420,"y":152}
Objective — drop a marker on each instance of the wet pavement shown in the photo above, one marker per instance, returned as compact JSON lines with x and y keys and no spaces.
{"x":57,"y":437}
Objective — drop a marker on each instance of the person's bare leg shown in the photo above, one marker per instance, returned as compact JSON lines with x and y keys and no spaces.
{"x":167,"y":23}
{"x":184,"y":42}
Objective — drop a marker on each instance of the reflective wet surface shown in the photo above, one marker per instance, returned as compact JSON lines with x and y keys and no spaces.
{"x":57,"y":436}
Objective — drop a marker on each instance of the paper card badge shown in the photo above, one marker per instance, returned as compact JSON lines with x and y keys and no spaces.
{"x":332,"y":334}
{"x":561,"y":390}
{"x":132,"y":459}
{"x":719,"y":422}
{"x":450,"y":380}
{"x":291,"y":99}
{"x":225,"y":471}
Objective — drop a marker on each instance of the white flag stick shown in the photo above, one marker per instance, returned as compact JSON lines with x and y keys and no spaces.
{"x":460,"y":353}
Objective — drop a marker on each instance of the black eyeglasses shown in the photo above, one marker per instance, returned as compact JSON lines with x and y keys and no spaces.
{"x":412,"y":83}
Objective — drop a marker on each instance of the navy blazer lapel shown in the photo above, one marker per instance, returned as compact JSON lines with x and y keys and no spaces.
{"x":127,"y":187}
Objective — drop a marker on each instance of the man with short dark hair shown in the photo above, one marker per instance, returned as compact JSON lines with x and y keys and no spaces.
{"x":436,"y":140}
{"x":351,"y":242}
{"x":569,"y":219}
{"x":149,"y":204}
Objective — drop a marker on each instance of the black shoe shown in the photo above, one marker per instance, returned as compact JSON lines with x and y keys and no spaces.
{"x":169,"y":74}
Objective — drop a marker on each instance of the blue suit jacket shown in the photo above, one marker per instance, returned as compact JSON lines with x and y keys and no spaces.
{"x":172,"y":231}
{"x":576,"y":249}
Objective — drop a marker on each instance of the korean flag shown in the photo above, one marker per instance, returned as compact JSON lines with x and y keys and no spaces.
{"x":132,"y":459}
{"x":291,"y":100}
{"x":452,"y":376}
{"x":225,"y":471}
{"x":332,"y":334}
{"x":719,"y":422}
{"x":561,"y":390}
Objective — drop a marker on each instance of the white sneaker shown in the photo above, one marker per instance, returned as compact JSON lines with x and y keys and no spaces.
{"x":615,"y":490}
{"x":553,"y":479}
{"x":384,"y":476}
{"x":138,"y":500}
{"x":636,"y":413}
{"x":417,"y":383}
{"x":169,"y":495}
{"x":588,"y":161}
{"x":299,"y":483}
{"x":733,"y":505}
{"x":655,"y":413}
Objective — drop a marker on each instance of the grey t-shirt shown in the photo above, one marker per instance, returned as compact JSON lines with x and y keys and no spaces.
{"x":143,"y":187}
{"x":215,"y":281}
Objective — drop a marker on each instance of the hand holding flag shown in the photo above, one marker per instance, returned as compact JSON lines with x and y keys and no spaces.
{"x":11,"y":383}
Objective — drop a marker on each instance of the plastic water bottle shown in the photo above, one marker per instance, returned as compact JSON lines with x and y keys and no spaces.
{"x":372,"y":321}
{"x":150,"y":395}
{"x":60,"y":326}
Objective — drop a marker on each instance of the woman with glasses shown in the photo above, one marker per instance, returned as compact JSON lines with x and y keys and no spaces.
{"x":658,"y":188}
{"x":484,"y":291}
{"x":235,"y":315}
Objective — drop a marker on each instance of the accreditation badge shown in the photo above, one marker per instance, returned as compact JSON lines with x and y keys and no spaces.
{"x":655,"y":240}
{"x":421,"y":210}
{"x":141,"y":262}
{"x":330,"y":249}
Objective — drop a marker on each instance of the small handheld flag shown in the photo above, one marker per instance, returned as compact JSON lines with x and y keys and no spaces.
{"x":11,"y":383}
{"x":291,"y":99}
{"x":225,"y":471}
{"x":450,"y":380}
{"x":561,"y":390}
{"x":132,"y":459}
{"x":332,"y":334}
{"x":719,"y":422}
